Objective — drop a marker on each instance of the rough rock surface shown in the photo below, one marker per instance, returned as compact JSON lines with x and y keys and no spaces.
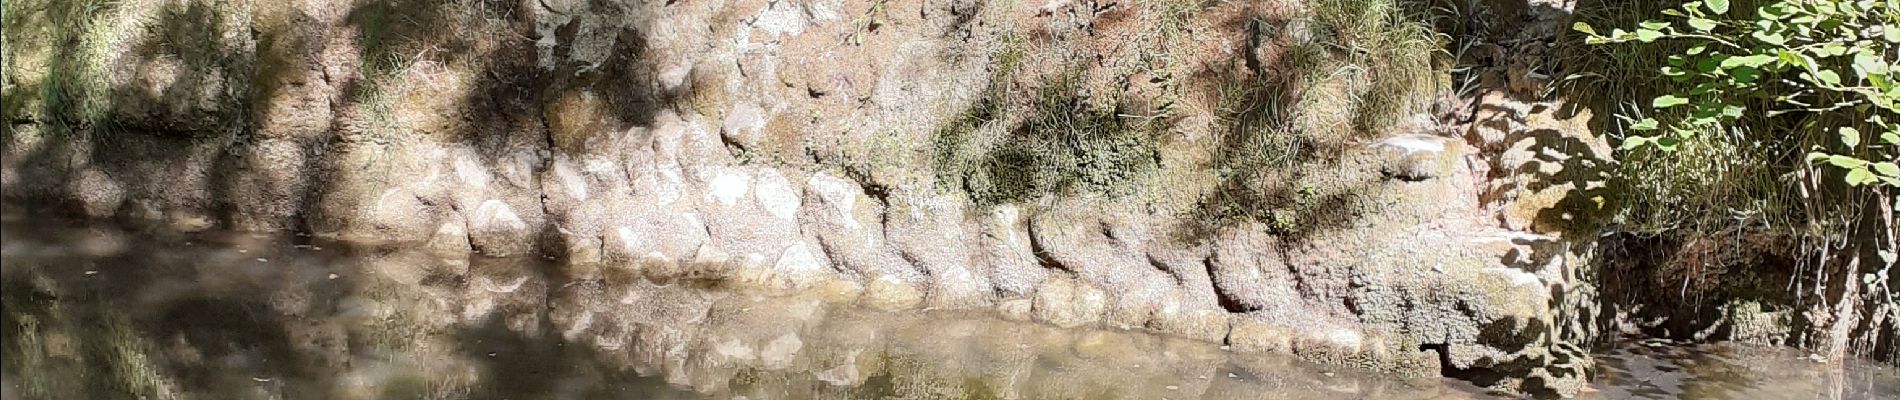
{"x":784,"y":144}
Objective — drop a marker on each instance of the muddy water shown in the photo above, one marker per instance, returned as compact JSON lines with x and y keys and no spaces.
{"x":97,"y":312}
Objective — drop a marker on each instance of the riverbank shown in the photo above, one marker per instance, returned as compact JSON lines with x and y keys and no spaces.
{"x":1365,"y":183}
{"x":96,"y":311}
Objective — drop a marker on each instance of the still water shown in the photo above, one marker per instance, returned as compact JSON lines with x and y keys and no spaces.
{"x":95,"y":312}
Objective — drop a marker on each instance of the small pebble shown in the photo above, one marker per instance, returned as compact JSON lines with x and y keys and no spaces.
{"x":1173,"y":387}
{"x":92,"y":272}
{"x":260,"y":379}
{"x":332,"y":276}
{"x":1329,"y":374}
{"x":262,"y":260}
{"x":243,"y":251}
{"x":1231,"y":375}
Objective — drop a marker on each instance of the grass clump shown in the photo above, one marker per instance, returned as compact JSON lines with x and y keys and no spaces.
{"x":1386,"y":55}
{"x":1322,"y":79}
{"x":1059,"y":144}
{"x":73,"y":39}
{"x":1055,"y":138}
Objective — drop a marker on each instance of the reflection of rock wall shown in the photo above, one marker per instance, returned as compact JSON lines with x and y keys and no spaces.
{"x":777,"y":144}
{"x":201,"y":321}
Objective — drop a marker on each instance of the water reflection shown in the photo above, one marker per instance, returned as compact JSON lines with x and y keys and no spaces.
{"x":99,"y":313}
{"x":92,"y":312}
{"x":1662,"y":370}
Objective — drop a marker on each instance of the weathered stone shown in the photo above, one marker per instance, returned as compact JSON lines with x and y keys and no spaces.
{"x":97,"y":195}
{"x":1068,"y":303}
{"x":1549,"y":167}
{"x":891,"y":294}
{"x":1253,"y":335}
{"x":1420,"y":157}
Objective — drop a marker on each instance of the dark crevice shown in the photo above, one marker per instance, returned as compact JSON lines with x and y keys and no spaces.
{"x":1159,"y":265}
{"x":1227,"y":300}
{"x":1041,"y":250}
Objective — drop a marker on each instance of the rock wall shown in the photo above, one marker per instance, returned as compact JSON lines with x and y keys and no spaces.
{"x":797,"y":145}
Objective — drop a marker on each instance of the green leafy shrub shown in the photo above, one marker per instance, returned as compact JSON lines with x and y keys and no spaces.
{"x":1827,"y":63}
{"x":1798,"y":98}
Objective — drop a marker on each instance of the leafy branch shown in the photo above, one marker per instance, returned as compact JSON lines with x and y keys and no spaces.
{"x":1803,"y":57}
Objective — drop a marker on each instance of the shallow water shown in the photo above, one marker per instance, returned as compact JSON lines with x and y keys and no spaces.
{"x":97,"y":312}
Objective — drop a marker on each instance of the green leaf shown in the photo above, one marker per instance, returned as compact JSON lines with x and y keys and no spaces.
{"x":1745,"y":75}
{"x":1832,"y":49}
{"x":1580,"y":26}
{"x":1817,"y":156}
{"x":1702,"y":24}
{"x":1847,"y":7}
{"x":1790,"y":58}
{"x":1648,"y":35}
{"x":1850,"y":136}
{"x":1828,"y":77}
{"x":1846,"y":162}
{"x":1718,"y":6}
{"x":1770,"y":38}
{"x":1890,"y":137}
{"x":1668,"y":143}
{"x":1892,"y":34}
{"x":1772,"y":12}
{"x":1653,"y":25}
{"x":1887,"y":168}
{"x":1698,"y":49}
{"x":1668,"y":100}
{"x":1869,"y":63}
{"x":1635,"y":142}
{"x":1756,"y":60}
{"x":1860,"y":176}
{"x":1711,"y":64}
{"x":1647,"y":124}
{"x":1733,"y":111}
